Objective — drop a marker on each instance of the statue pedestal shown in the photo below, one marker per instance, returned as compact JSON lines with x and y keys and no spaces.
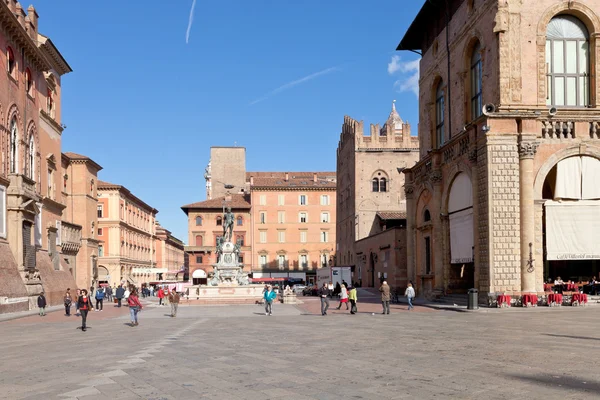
{"x":247,"y":294}
{"x":228,"y":271}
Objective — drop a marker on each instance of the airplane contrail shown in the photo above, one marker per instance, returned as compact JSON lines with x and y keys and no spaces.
{"x":191,"y":21}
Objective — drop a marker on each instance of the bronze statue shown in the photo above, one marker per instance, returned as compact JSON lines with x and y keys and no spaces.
{"x":228,"y":222}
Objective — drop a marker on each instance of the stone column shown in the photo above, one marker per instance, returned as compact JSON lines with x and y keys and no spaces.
{"x":437,"y":240}
{"x":411,"y":215}
{"x":527,"y":150}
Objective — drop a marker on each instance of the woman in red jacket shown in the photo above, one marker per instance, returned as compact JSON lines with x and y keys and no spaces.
{"x":85,"y":304}
{"x":134,"y":306}
{"x":161,"y":296}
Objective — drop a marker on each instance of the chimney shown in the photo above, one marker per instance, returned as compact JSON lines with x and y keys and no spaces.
{"x":33,"y":21}
{"x":251,"y":180}
{"x":20,"y":14}
{"x":287,"y":176}
{"x":315,"y":177}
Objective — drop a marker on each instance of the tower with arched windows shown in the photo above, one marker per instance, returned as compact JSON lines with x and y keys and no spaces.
{"x":505,"y":194}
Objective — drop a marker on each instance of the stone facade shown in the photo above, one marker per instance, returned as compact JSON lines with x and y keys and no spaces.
{"x":226,"y":172}
{"x":507,"y":149}
{"x":361,"y":159}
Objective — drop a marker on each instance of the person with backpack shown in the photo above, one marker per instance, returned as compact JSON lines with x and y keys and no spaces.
{"x":134,"y":307}
{"x":85,"y":305}
{"x":99,"y":299}
{"x":41,"y":300}
{"x":174,"y":300}
{"x":67,"y":301}
{"x":269,"y":297}
{"x":119,"y":293}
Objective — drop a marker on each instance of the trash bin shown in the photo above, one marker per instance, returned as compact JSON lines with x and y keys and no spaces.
{"x":472,"y":300}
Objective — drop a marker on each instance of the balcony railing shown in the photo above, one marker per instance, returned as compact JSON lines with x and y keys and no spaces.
{"x":70,"y":237}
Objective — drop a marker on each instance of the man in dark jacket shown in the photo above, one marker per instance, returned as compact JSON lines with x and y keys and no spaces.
{"x":119,"y":295}
{"x":42,"y":304}
{"x":324,"y":293}
{"x":385,"y":297}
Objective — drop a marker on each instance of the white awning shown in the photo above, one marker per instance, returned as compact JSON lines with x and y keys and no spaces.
{"x":461,"y":193}
{"x":461,"y":236}
{"x":568,"y":179}
{"x":590,"y":178}
{"x":572,"y":230}
{"x":199,"y":274}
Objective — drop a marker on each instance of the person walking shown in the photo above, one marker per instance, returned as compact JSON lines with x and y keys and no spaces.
{"x":109,"y":293}
{"x":269,"y":296}
{"x":353,"y":298}
{"x":324,"y":293}
{"x":41,"y":300}
{"x":343,"y":296}
{"x":99,"y":299}
{"x":67,"y":301}
{"x":119,"y":293}
{"x":85,"y":305}
{"x":410,"y":294}
{"x":174,"y":300}
{"x":160,"y":295}
{"x":385,"y":297}
{"x":134,"y":307}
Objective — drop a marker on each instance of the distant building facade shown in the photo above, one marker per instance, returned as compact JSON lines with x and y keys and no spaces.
{"x":170,"y":254}
{"x":370,"y":182}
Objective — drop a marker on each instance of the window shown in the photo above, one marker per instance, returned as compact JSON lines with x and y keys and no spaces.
{"x":476,"y":86}
{"x":324,"y":200}
{"x":440,"y":110}
{"x":100,"y":250}
{"x":263,"y":200}
{"x":263,"y":217}
{"x":303,"y":261}
{"x":241,"y":259}
{"x":14,"y":147}
{"x":324,"y":260}
{"x":428,"y":255}
{"x":219,"y":221}
{"x":240,"y":221}
{"x":50,"y":184}
{"x":218,"y":239}
{"x":198,"y":259}
{"x":324,"y":237}
{"x":303,"y":237}
{"x":263,"y":236}
{"x":281,"y":236}
{"x":567,"y":62}
{"x":281,"y":199}
{"x":99,"y":231}
{"x":50,"y":103}
{"x":38,"y":226}
{"x":3,"y":211}
{"x":302,"y":199}
{"x":375,"y":184}
{"x":281,"y":261}
{"x":281,"y":217}
{"x":28,"y":82}
{"x":303,"y":217}
{"x":31,"y":160}
{"x":382,"y":185}
{"x":324,"y":217}
{"x":198,"y":240}
{"x":426,"y":216}
{"x":198,"y":221}
{"x":239,"y":239}
{"x":10,"y":62}
{"x":100,"y":211}
{"x":262,"y":260}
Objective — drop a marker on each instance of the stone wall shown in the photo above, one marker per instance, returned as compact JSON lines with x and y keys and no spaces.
{"x":11,"y":284}
{"x":55,"y":283}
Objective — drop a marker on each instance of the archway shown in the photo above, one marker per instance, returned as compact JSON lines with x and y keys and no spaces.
{"x":199,"y":277}
{"x":103,"y":275}
{"x":571,"y":219}
{"x":461,"y":275}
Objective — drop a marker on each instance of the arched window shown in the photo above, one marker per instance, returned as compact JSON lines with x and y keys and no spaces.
{"x":219,"y":221}
{"x":14,"y":147}
{"x":240,"y":220}
{"x":383,"y":185}
{"x":375,"y":185}
{"x":10,"y":61}
{"x":440,"y":109}
{"x":198,"y":221}
{"x":50,"y":103}
{"x":567,"y":62}
{"x":198,"y":240}
{"x":31,"y":159}
{"x":426,"y":216}
{"x":476,"y":102}
{"x":28,"y":82}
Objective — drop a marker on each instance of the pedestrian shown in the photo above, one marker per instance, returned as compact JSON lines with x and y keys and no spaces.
{"x":77,"y":294}
{"x":337,"y":290}
{"x":42,"y":304}
{"x":134,"y":307}
{"x":343,"y":296}
{"x":385,"y":297}
{"x":269,"y":297}
{"x":99,"y":299}
{"x":127,"y":292}
{"x":109,"y":293}
{"x":174,"y":300}
{"x":324,"y":293}
{"x":67,"y":301}
{"x":353,"y":298}
{"x":161,"y":296}
{"x":119,"y":293}
{"x":410,"y":294}
{"x":85,"y":305}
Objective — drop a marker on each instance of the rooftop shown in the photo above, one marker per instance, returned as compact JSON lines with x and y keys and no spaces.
{"x":292,"y":180}
{"x":237,"y":201}
{"x":391,"y":215}
{"x":103,"y":185}
{"x":75,"y":156}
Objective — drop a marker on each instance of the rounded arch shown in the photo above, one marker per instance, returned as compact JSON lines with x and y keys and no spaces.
{"x":102,"y":270}
{"x":13,"y":112}
{"x":461,"y":168}
{"x":423,"y":199}
{"x":575,"y":8}
{"x":474,"y":47}
{"x":542,"y":174}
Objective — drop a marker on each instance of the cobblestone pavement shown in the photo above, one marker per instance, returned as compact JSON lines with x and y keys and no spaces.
{"x":236,"y":352}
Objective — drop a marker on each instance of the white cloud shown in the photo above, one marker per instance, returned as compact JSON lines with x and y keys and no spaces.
{"x":409,"y":81}
{"x":291,"y":84}
{"x":190,"y":22}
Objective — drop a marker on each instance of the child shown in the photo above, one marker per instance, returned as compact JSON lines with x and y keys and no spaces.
{"x":410,"y":293}
{"x":42,"y":304}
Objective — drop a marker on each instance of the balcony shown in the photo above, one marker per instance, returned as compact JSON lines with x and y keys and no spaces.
{"x":70,"y":237}
{"x":20,"y":185}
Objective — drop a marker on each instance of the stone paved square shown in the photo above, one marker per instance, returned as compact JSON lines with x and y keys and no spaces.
{"x":236,"y":352}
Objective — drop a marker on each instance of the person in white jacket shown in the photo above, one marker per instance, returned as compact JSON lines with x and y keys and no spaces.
{"x":410,"y":294}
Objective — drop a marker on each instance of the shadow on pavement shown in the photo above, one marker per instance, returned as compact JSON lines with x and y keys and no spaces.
{"x":572,"y":337}
{"x":561,"y":382}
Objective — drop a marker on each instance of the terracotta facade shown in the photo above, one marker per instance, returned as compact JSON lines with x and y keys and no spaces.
{"x":169,"y":254}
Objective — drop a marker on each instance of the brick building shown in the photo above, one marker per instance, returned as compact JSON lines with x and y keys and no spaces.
{"x":127,"y":231}
{"x":370,"y":186}
{"x":506,"y":192}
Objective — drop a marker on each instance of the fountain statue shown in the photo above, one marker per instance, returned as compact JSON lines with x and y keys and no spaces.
{"x":228,"y":271}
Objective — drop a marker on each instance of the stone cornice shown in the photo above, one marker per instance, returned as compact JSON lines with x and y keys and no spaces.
{"x":51,"y":121}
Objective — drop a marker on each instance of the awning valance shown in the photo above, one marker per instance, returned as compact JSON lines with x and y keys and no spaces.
{"x":572,"y":230}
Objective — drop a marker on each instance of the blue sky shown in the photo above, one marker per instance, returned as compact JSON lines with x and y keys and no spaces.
{"x":274,"y":76}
